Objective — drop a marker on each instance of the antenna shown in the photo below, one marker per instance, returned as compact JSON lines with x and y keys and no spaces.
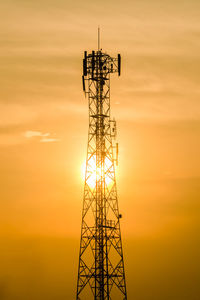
{"x":98,"y":38}
{"x":119,"y":64}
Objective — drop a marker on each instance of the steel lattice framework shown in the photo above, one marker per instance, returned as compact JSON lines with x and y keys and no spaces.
{"x":101,"y":266}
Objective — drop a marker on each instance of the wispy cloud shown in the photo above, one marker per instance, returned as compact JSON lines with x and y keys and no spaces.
{"x":32,"y":133}
{"x":44,"y":137}
{"x":48,"y":140}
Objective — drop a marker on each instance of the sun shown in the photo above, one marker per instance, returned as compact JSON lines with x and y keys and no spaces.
{"x":94,"y":173}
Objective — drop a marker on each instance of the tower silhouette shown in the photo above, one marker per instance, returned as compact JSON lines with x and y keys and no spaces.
{"x":101,"y":266}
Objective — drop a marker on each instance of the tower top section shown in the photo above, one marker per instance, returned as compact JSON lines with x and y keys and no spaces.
{"x":98,"y":65}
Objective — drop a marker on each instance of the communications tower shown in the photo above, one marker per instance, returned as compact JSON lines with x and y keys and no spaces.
{"x":101,"y":273}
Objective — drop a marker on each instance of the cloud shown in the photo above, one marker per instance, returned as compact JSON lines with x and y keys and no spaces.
{"x":47,"y":140}
{"x":31,"y":133}
{"x":45,"y":137}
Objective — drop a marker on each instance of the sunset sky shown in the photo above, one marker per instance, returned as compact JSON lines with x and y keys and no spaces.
{"x":43,"y":140}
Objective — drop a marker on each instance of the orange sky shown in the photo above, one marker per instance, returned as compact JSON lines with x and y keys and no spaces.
{"x":43,"y":139}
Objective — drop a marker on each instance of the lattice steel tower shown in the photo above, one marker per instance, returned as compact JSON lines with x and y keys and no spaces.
{"x":101,"y":266}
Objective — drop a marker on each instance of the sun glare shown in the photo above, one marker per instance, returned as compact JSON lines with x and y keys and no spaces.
{"x":94,"y":173}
